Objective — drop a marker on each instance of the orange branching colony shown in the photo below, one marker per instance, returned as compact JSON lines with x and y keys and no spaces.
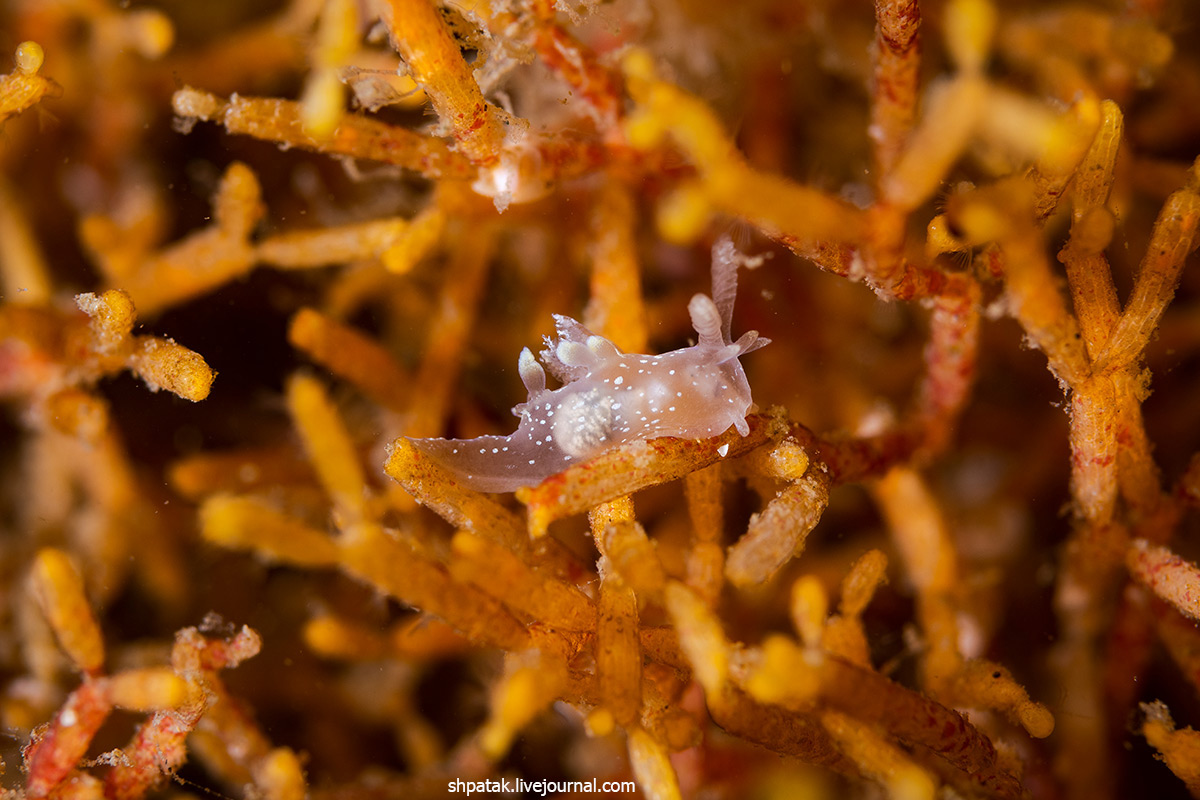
{"x":956,"y":589}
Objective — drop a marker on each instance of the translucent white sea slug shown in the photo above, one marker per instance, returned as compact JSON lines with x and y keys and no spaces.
{"x":609,"y":397}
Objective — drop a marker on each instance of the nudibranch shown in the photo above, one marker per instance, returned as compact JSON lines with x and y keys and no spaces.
{"x":609,"y":397}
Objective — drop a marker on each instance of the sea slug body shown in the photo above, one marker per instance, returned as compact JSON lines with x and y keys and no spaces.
{"x":609,"y":397}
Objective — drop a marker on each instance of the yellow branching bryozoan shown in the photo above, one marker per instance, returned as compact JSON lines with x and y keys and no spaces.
{"x":200,"y":262}
{"x":433,"y":57}
{"x":25,"y":86}
{"x":1167,"y":575}
{"x":328,"y":446}
{"x":323,"y":103}
{"x":532,"y":681}
{"x":879,"y":759}
{"x":730,"y":185}
{"x":497,"y":570}
{"x":1179,"y":748}
{"x":843,"y":634}
{"x":280,"y":121}
{"x":778,"y":534}
{"x":618,"y":649}
{"x":149,"y":689}
{"x":933,"y":541}
{"x":59,"y":591}
{"x":23,"y":268}
{"x":352,"y":355}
